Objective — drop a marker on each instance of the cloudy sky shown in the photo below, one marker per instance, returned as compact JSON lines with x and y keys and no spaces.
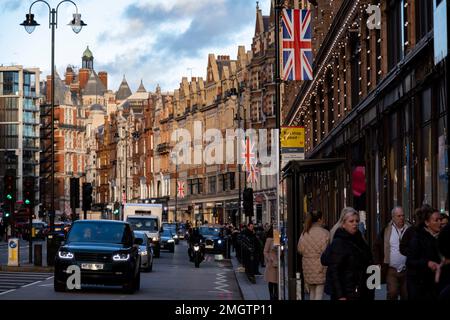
{"x":154,"y":40}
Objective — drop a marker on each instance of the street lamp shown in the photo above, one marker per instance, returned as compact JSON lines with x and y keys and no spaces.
{"x":30,"y":24}
{"x":238,"y":119}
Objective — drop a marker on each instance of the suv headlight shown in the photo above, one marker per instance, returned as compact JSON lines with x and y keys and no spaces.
{"x":170,"y":240}
{"x":65,"y":255}
{"x":175,"y":236}
{"x":121,"y":257}
{"x":143,"y":252}
{"x":219,"y":241}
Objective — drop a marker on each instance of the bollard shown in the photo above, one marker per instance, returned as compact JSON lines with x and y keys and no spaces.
{"x":228,"y":253}
{"x":38,"y":255}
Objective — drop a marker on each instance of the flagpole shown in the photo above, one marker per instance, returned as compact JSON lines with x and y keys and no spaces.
{"x":176,"y":184}
{"x":278,"y":7}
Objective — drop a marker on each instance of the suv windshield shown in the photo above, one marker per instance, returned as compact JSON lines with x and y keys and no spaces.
{"x":100,"y":232}
{"x":207,"y":231}
{"x":143,"y":224}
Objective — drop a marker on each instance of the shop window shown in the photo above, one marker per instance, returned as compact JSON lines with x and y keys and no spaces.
{"x":442,"y":168}
{"x":427,"y":164}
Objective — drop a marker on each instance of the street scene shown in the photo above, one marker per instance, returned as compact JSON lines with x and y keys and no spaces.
{"x":224,"y":150}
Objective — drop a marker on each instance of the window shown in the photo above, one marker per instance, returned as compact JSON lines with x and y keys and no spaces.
{"x":355,"y":62}
{"x":9,"y":82}
{"x":8,"y":109}
{"x":232,"y":182}
{"x":396,"y":34}
{"x":330,"y":100}
{"x":424,"y":18}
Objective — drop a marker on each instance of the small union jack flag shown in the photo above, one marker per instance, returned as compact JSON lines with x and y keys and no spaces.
{"x":297,"y":46}
{"x":248,"y":156}
{"x":181,"y":189}
{"x":253,"y":174}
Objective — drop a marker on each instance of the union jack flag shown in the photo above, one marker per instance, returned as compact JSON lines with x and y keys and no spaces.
{"x":297,"y":46}
{"x":253,"y":174}
{"x":181,"y":189}
{"x":248,"y":156}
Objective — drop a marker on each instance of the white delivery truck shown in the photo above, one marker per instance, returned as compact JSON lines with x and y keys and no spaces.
{"x":145,"y":217}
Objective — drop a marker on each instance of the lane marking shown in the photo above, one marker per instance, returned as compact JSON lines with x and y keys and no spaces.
{"x":2,"y":293}
{"x":31,"y":284}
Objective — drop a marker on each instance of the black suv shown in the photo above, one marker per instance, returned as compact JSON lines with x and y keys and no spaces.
{"x":106,"y":252}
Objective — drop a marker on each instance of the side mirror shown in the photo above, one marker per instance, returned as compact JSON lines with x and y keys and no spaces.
{"x":138,"y":241}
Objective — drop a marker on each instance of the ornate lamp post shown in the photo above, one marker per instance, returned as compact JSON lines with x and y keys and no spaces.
{"x":30,"y":24}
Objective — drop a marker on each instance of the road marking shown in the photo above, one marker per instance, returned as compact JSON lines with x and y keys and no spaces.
{"x":31,"y":284}
{"x":221,"y":282}
{"x":46,"y":285}
{"x":50,"y":278}
{"x":2,"y":293}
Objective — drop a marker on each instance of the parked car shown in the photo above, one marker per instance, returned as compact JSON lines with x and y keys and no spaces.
{"x":106,"y":252}
{"x":167,"y":242}
{"x":145,"y":250}
{"x":214,"y":237}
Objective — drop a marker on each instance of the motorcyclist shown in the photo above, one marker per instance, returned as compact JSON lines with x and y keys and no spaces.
{"x":195,"y":238}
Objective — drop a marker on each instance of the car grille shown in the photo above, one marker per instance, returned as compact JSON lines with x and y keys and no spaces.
{"x":209,"y":242}
{"x":97,"y":257}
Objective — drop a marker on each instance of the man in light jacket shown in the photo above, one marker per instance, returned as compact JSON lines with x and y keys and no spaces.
{"x":387,"y":254}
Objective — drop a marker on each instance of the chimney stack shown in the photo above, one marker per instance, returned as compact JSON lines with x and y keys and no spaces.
{"x":103,"y":76}
{"x":84,"y":77}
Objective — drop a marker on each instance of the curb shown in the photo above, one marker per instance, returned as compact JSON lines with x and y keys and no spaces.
{"x":232,"y":260}
{"x":27,"y":269}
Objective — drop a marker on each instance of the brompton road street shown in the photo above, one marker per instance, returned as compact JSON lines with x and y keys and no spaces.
{"x":173,"y":278}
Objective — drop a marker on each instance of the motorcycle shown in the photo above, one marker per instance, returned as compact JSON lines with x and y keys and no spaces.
{"x":198,"y":254}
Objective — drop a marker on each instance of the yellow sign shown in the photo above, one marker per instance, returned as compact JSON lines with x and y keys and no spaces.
{"x":13,"y":252}
{"x":292,"y":137}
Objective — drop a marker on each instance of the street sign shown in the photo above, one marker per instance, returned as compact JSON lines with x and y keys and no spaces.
{"x":292,"y":144}
{"x":13,"y":252}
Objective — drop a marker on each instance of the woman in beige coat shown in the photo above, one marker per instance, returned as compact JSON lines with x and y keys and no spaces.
{"x":312,"y":243}
{"x":271,"y":260}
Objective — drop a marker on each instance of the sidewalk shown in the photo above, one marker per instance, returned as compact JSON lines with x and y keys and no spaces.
{"x":260,"y":290}
{"x":250,"y":291}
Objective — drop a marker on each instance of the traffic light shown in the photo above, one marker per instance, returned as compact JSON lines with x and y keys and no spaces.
{"x":87,"y":196}
{"x":248,"y":202}
{"x":28,"y":192}
{"x":116,"y":210}
{"x":74,"y":192}
{"x":10,"y":187}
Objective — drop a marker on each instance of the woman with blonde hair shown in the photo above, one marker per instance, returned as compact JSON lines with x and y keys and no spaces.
{"x":348,"y":257}
{"x":311,"y":245}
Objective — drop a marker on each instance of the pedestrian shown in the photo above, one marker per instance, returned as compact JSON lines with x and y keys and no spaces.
{"x":411,"y":232}
{"x":312,"y":243}
{"x":444,"y":220}
{"x":271,"y":262}
{"x":250,"y":252}
{"x":387,"y":255}
{"x":347,"y":258}
{"x":443,"y":276}
{"x":424,"y":259}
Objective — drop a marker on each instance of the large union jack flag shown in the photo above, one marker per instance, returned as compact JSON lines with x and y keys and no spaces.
{"x":297,"y":47}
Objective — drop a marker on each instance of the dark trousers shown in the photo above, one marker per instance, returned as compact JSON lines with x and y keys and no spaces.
{"x":273,"y":291}
{"x":396,"y":284}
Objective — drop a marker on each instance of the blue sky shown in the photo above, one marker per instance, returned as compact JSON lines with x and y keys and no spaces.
{"x":153,"y":40}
